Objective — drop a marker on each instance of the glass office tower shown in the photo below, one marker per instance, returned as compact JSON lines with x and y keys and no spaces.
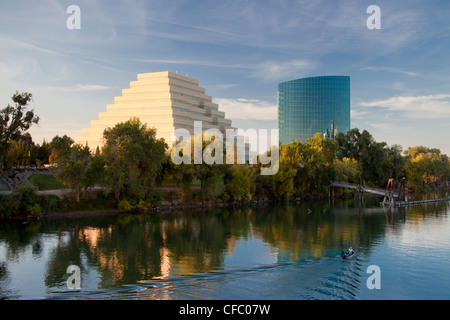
{"x":310,"y":105}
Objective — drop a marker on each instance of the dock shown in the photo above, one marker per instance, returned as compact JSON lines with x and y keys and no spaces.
{"x":412,"y":203}
{"x":391,"y":198}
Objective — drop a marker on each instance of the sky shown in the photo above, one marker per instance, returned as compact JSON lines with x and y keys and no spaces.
{"x":239,"y":51}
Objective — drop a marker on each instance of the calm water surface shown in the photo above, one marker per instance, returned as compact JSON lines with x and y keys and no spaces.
{"x":263,"y":252}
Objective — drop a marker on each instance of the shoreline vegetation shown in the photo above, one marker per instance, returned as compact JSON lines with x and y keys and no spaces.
{"x":89,"y":208}
{"x":134,"y":170}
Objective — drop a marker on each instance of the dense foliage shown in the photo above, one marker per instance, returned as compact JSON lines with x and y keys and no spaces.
{"x":133,"y":162}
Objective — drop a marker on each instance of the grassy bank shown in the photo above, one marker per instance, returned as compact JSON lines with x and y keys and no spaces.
{"x":45,"y":182}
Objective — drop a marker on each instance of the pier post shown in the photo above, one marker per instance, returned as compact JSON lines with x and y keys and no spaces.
{"x":436,"y":188}
{"x":389,"y":192}
{"x":446,"y":188}
{"x":423,"y":190}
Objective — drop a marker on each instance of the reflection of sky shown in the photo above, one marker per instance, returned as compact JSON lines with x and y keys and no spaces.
{"x":412,"y":259}
{"x":432,"y":234}
{"x":250,"y":252}
{"x":26,"y":271}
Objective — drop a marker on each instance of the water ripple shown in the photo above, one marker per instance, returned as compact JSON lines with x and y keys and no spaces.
{"x":324,"y":278}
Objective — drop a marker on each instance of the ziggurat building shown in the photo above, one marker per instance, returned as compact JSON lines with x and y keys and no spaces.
{"x":164,"y":100}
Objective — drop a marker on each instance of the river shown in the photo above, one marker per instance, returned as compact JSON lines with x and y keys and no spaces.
{"x":274,"y":252}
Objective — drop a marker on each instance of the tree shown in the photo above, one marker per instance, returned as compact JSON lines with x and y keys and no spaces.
{"x":18,"y":153}
{"x":313,"y":162}
{"x":14,"y":122}
{"x":425,"y":165}
{"x":203,"y":158}
{"x":395,"y":164}
{"x":79,"y":169}
{"x":43,"y":153}
{"x":346,"y":170}
{"x":60,"y":147}
{"x":370,"y":154}
{"x":133,"y":157}
{"x":239,"y":187}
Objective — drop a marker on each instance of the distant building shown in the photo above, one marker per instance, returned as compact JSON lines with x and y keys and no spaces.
{"x":311,"y":105}
{"x":164,"y":100}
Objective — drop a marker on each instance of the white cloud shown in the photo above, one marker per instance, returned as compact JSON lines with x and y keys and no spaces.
{"x":419,"y":107}
{"x":253,"y":109}
{"x":91,"y":87}
{"x":391,"y":70}
{"x":358,"y":114}
{"x":78,"y":88}
{"x":273,"y":70}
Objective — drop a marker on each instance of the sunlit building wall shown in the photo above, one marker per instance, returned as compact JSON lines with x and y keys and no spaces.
{"x":164,"y":100}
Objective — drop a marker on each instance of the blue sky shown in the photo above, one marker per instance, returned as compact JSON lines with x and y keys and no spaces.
{"x":239,"y":51}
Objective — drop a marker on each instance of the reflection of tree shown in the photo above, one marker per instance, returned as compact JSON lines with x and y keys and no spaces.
{"x":5,"y":293}
{"x":66,"y":253}
{"x":19,"y":236}
{"x":315,"y":229}
{"x":128,"y":249}
{"x":197,"y":242}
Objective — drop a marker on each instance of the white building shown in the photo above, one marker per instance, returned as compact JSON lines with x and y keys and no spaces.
{"x":164,"y":100}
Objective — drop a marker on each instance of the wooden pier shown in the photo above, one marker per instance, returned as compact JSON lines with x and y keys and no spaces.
{"x":411,"y":203}
{"x":392,"y":198}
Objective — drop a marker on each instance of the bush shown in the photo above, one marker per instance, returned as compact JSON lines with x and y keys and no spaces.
{"x":23,"y":201}
{"x":5,"y":209}
{"x":50,"y":203}
{"x":34,"y":210}
{"x":125,"y":205}
{"x":25,"y":196}
{"x":155,"y":197}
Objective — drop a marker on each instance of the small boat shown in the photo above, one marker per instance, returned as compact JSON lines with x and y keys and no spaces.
{"x":347,"y":255}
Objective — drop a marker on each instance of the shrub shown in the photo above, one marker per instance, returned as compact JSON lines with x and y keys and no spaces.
{"x":23,"y":201}
{"x":5,"y":209}
{"x":155,"y":197}
{"x":125,"y":205}
{"x":50,"y":203}
{"x":34,"y":210}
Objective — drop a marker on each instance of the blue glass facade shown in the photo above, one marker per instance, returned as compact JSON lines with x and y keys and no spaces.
{"x":310,"y":105}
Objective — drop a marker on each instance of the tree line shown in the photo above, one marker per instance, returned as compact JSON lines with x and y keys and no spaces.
{"x":133,"y":161}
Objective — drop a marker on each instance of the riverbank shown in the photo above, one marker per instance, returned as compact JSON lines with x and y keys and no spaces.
{"x":96,"y":203}
{"x":154,"y":209}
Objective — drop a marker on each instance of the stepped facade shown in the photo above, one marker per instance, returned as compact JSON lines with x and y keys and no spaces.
{"x":164,"y":100}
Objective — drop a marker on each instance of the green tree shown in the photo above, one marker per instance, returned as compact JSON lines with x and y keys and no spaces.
{"x":18,"y":153}
{"x":395,"y":164}
{"x":43,"y":153}
{"x":370,"y":154}
{"x":279,"y":186}
{"x":14,"y":122}
{"x":239,"y":187}
{"x":78,"y":169}
{"x":205,"y":157}
{"x":346,"y":170}
{"x":60,"y":147}
{"x":313,"y":162}
{"x":133,"y":157}
{"x":425,"y":165}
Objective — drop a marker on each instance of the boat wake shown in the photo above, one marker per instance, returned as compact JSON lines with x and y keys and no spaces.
{"x":324,"y":278}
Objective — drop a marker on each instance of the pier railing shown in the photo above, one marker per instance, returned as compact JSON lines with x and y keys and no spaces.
{"x":391,"y":197}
